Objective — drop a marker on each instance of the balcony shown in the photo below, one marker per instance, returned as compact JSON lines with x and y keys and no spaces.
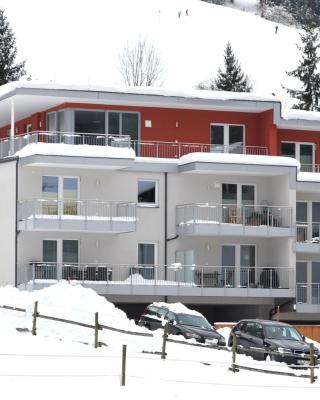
{"x":308,"y":297}
{"x":10,"y":146}
{"x":142,"y":148}
{"x":175,"y":279}
{"x":218,"y":219}
{"x":308,"y":237}
{"x":77,"y":216}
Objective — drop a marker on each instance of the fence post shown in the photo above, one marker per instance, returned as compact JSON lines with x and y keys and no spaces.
{"x":96,"y":328}
{"x":123,"y":366}
{"x":312,"y":363}
{"x":34,"y":321}
{"x":165,"y":336}
{"x":234,"y":351}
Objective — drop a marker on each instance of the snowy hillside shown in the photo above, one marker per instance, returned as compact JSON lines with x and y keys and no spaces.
{"x":79,"y":41}
{"x":57,"y":364}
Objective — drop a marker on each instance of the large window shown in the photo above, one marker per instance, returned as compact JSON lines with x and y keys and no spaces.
{"x":89,"y":121}
{"x":60,"y":195}
{"x":147,"y":193}
{"x":308,"y":281}
{"x":308,"y":221}
{"x":238,"y":201}
{"x":227,"y":138}
{"x":303,"y":152}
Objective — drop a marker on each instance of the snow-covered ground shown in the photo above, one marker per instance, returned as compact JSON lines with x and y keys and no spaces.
{"x":57,"y":364}
{"x":77,"y":41}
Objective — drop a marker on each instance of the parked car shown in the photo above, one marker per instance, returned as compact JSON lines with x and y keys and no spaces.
{"x":182,"y":321}
{"x":279,"y":337}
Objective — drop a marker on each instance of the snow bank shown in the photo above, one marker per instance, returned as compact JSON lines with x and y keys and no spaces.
{"x":62,"y":149}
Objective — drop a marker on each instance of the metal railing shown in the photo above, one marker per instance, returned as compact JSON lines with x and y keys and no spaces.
{"x":258,"y":215}
{"x":179,"y":149}
{"x":308,"y":232}
{"x":308,"y":293}
{"x":171,"y":275}
{"x":142,"y":148}
{"x":83,"y":209}
{"x":310,"y":168}
{"x":10,"y":146}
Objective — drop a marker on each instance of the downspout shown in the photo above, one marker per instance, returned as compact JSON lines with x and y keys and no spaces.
{"x":165,"y":224}
{"x":12,"y":128}
{"x":16,"y":230}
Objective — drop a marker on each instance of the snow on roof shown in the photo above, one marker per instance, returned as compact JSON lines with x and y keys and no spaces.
{"x":62,"y":149}
{"x":143,"y":90}
{"x":238,"y":159}
{"x":178,"y":308}
{"x":301,"y":114}
{"x":308,"y":177}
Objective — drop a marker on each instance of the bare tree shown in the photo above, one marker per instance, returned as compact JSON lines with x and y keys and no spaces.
{"x":140,"y":64}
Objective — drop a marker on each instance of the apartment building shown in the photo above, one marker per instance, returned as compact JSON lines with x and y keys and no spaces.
{"x":211,"y":199}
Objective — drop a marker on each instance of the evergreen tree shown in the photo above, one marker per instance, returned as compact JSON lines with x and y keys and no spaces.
{"x":306,"y":71}
{"x":232,"y":79}
{"x":9,"y":70}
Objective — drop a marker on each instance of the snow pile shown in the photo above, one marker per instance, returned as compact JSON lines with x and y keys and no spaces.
{"x":62,"y":149}
{"x":178,"y":308}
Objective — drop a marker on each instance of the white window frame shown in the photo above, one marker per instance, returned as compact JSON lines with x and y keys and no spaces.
{"x":145,"y":204}
{"x":309,"y":221}
{"x":156,"y":245}
{"x":60,"y":185}
{"x":60,"y":248}
{"x":238,"y":253}
{"x":226,"y":133}
{"x":297,"y":149}
{"x":239,"y":187}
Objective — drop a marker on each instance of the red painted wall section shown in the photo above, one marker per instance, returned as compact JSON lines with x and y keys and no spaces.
{"x":36,"y":120}
{"x":268,"y":132}
{"x":289,"y":135}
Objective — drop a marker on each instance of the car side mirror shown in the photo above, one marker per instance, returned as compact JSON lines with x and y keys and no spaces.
{"x":303,"y":338}
{"x":237,"y":333}
{"x":172,"y":322}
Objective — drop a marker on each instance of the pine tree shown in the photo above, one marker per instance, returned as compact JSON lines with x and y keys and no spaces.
{"x":9,"y":70}
{"x":309,"y":95}
{"x":233,"y":79}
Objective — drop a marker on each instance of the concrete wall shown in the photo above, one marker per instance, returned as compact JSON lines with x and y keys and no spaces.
{"x":7,"y":222}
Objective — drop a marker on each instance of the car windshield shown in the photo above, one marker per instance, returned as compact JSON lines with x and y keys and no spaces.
{"x":193,"y":320}
{"x":282,"y":332}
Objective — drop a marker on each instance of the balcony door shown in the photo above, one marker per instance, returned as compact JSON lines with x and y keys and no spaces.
{"x":308,"y":221}
{"x":60,"y":195}
{"x":238,"y":265}
{"x":237,"y":199}
{"x":227,"y":138}
{"x":303,"y":152}
{"x":308,"y":282}
{"x":61,"y":256}
{"x":147,"y":259}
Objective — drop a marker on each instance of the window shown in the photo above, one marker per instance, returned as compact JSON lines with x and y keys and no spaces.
{"x":303,"y":152}
{"x":147,"y":192}
{"x":121,"y":123}
{"x":308,"y":221}
{"x":227,"y":138}
{"x":89,"y":121}
{"x":238,"y":202}
{"x":238,"y":263}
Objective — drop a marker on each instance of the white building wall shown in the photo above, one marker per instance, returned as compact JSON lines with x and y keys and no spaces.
{"x":8,"y":222}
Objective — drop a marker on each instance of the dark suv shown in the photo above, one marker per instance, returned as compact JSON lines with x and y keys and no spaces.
{"x":182,"y":321}
{"x":277,"y":337}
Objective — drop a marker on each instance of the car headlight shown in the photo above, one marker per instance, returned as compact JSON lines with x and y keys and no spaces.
{"x":189,"y":335}
{"x":284,"y":350}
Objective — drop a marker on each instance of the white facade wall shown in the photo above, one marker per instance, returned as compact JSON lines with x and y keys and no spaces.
{"x":8,"y":222}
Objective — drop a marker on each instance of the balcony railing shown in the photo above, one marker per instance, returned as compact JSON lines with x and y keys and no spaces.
{"x":77,"y":215}
{"x":308,"y":293}
{"x":172,"y":275}
{"x":310,"y":168}
{"x":10,"y":146}
{"x":259,"y":215}
{"x":177,"y":150}
{"x":308,"y":232}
